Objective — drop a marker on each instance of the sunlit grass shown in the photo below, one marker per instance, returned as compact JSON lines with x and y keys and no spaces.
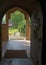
{"x":11,"y":31}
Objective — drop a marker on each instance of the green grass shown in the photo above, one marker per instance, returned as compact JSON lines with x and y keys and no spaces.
{"x":11,"y":31}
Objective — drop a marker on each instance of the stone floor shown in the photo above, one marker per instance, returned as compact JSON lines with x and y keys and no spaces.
{"x":16,"y":61}
{"x":18,"y":45}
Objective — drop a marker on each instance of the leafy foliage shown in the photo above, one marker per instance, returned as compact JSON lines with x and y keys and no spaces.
{"x":17,"y":17}
{"x":19,"y":21}
{"x":11,"y":31}
{"x":22,"y":27}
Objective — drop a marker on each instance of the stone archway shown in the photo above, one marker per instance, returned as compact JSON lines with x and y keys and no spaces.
{"x":6,"y":5}
{"x":28,"y":27}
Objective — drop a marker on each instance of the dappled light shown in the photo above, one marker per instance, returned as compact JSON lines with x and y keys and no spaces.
{"x":17,"y":27}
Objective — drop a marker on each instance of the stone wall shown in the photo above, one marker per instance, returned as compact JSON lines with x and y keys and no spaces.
{"x":36,"y":31}
{"x":28,"y":28}
{"x":27,"y":6}
{"x":4,"y":33}
{"x":4,"y":37}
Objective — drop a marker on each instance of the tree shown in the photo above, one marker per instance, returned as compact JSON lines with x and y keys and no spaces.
{"x":22,"y":27}
{"x":19,"y":21}
{"x":17,"y":17}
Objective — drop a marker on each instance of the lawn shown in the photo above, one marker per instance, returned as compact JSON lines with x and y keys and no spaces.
{"x":11,"y":31}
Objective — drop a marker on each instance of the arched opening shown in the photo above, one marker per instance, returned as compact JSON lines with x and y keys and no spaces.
{"x":22,"y":25}
{"x":17,"y":29}
{"x":34,"y":51}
